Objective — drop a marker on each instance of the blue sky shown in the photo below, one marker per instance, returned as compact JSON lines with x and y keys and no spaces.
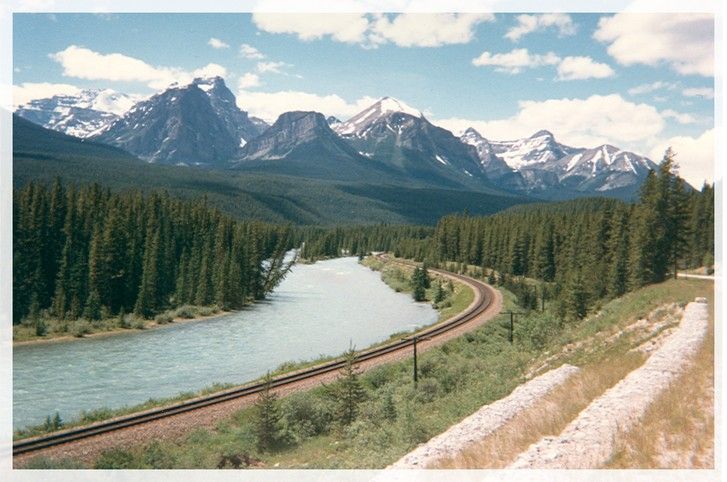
{"x":586,"y":77}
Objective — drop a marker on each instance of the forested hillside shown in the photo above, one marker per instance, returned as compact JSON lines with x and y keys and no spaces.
{"x":585,"y":250}
{"x":87,"y":252}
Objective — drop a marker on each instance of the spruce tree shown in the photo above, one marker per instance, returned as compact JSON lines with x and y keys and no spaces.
{"x":267,"y":417}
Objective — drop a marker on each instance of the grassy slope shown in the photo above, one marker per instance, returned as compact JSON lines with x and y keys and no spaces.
{"x":456,"y":379}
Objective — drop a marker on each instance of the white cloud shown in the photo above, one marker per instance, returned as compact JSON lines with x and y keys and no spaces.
{"x":652,"y":87}
{"x":250,"y":52}
{"x":706,"y":92}
{"x":269,"y":105}
{"x":84,"y":63}
{"x":695,"y":156}
{"x":532,"y":23}
{"x":683,"y":41}
{"x":370,"y":30}
{"x":248,"y":80}
{"x":342,"y":27}
{"x":579,"y":68}
{"x":588,"y":122}
{"x":27,"y":91}
{"x":427,"y":29}
{"x":271,"y":67}
{"x":515,"y":61}
{"x":216,"y":43}
{"x":680,"y":117}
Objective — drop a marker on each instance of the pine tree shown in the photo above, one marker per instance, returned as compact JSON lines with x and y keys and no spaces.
{"x":267,"y":417}
{"x":348,"y":392}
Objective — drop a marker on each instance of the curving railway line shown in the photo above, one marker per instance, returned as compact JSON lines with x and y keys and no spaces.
{"x":479,"y":309}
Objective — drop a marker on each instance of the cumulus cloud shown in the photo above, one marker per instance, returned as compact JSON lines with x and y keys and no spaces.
{"x":342,"y":27}
{"x":515,"y":61}
{"x":706,"y":92}
{"x":248,"y":80}
{"x":531,"y":23}
{"x":680,"y":117}
{"x":216,"y":43}
{"x":269,"y":105}
{"x":27,"y":91}
{"x":84,"y":63}
{"x":580,"y":68}
{"x":426,"y":29}
{"x":371,"y":30}
{"x":588,"y":122}
{"x":683,"y":41}
{"x":652,"y":87}
{"x":695,"y":156}
{"x":250,"y":52}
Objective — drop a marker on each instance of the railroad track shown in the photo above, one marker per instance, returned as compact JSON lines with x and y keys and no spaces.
{"x":33,"y":444}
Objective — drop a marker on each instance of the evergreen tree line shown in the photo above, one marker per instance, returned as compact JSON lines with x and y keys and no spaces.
{"x":320,"y":243}
{"x":87,"y":252}
{"x":590,"y":249}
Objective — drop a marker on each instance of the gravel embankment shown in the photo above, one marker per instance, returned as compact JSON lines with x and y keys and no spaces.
{"x":588,"y":441}
{"x":485,"y":421}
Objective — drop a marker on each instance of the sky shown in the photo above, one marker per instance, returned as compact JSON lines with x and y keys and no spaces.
{"x":639,"y":81}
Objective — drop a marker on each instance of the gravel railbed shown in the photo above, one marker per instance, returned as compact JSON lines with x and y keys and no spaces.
{"x":484,"y":421}
{"x":588,"y":441}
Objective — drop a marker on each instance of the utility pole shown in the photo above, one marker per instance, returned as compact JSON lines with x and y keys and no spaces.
{"x":415,"y":339}
{"x":511,"y":326}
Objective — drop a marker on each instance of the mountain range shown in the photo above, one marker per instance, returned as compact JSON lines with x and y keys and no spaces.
{"x":200,"y":124}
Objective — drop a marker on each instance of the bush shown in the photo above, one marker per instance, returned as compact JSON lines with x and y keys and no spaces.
{"x":81,"y":328}
{"x":155,"y":457}
{"x":185,"y":312}
{"x":41,"y":462}
{"x":117,"y":459}
{"x":163,"y":318}
{"x":138,"y":324}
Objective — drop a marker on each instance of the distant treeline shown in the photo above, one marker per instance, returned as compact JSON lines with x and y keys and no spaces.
{"x":589,"y":249}
{"x":321,"y":243}
{"x":87,"y":252}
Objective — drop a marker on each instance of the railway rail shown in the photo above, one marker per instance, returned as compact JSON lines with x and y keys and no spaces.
{"x":483,"y":298}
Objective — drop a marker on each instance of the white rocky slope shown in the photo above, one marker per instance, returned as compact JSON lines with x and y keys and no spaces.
{"x":588,"y":441}
{"x":81,"y":115}
{"x":485,"y":421}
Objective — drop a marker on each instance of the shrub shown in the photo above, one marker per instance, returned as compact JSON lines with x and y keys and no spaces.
{"x":155,"y":457}
{"x":117,"y":459}
{"x":185,"y":312}
{"x":45,"y":463}
{"x":81,"y":328}
{"x":138,"y":324}
{"x":163,"y":318}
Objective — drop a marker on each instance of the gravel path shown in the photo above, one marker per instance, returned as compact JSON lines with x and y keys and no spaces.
{"x":588,"y":441}
{"x":485,"y":421}
{"x":177,"y":426}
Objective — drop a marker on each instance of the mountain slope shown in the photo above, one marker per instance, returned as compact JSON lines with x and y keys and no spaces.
{"x":303,"y":144}
{"x":40,"y":155}
{"x":195,"y":124}
{"x":80,"y":115}
{"x":402,"y":137}
{"x":540,"y":166}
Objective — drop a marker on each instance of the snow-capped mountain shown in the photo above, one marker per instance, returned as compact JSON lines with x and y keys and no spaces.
{"x":81,"y":115}
{"x":541,"y":166}
{"x":603,"y":168}
{"x":194,"y":124}
{"x":392,"y":132}
{"x":302,"y":143}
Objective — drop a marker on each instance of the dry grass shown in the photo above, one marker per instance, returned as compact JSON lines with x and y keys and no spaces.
{"x":549,"y":416}
{"x":677,"y":431}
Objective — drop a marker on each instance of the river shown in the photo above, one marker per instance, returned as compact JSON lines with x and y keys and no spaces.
{"x":318,"y":309}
